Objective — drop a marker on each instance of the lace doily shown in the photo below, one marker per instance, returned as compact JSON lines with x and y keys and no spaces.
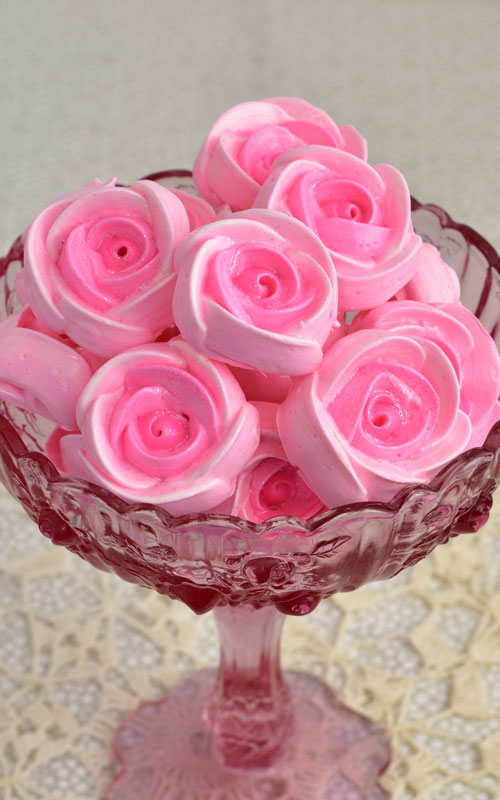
{"x":420,"y":654}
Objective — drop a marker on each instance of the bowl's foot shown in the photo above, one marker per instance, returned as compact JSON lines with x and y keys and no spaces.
{"x":166,"y":751}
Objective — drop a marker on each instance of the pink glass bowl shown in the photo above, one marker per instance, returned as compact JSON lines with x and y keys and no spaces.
{"x":235,"y":732}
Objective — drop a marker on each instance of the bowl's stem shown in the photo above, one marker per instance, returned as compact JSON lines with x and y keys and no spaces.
{"x":250,"y":710}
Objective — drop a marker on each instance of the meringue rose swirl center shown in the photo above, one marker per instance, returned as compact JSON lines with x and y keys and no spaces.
{"x":279,"y":489}
{"x":261,"y":285}
{"x":395,"y":407}
{"x":276,"y":487}
{"x":344,"y":214}
{"x":164,"y":421}
{"x":262,"y":147}
{"x":107,"y":260}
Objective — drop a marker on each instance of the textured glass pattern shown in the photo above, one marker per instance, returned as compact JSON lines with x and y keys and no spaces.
{"x":285,"y":565}
{"x":209,"y":560}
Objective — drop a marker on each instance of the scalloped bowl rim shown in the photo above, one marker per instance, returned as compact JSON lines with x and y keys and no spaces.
{"x":274,"y":526}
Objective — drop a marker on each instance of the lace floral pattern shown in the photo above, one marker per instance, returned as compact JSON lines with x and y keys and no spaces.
{"x":79,"y":649}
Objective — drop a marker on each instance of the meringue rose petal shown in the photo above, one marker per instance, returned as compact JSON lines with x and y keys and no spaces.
{"x":99,"y":202}
{"x":41,"y":374}
{"x":354,"y":142}
{"x":98,"y":264}
{"x":380,"y":412}
{"x":307,"y":431}
{"x":98,"y":333}
{"x":480,"y":365}
{"x":460,"y":335}
{"x":397,"y":204}
{"x":360,"y":213}
{"x":246,"y":344}
{"x":433,"y":282}
{"x":225,"y":181}
{"x":199,"y":211}
{"x":257,"y":290}
{"x":168,"y":217}
{"x":346,"y":137}
{"x":270,"y":486}
{"x":482,"y":428}
{"x":64,"y":449}
{"x":162,"y":424}
{"x":37,"y":272}
{"x":244,"y":142}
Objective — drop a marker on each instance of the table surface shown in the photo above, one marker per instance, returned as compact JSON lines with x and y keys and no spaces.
{"x":123,"y":88}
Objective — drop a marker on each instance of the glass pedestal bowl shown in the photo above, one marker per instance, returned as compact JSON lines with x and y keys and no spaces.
{"x":247,"y":731}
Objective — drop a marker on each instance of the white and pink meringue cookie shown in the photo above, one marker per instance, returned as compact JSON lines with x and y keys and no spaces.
{"x":98,"y":264}
{"x":361,"y":213}
{"x":468,"y":346}
{"x":382,"y":411}
{"x":257,"y":290}
{"x":39,"y":371}
{"x":270,"y":486}
{"x":433,"y":282}
{"x":161,"y":424}
{"x":242,"y":145}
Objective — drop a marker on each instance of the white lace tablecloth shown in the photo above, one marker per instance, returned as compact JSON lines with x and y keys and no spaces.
{"x":419,"y":654}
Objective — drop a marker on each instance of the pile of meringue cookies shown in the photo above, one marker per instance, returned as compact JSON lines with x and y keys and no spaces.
{"x":276,"y":342}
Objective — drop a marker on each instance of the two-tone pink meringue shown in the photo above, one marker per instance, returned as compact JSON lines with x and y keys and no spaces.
{"x":361,"y":214}
{"x":270,"y":486}
{"x":381,"y":411}
{"x":40,"y":371}
{"x":135,"y":296}
{"x":98,"y":264}
{"x":161,"y":424}
{"x":433,"y":281}
{"x":468,"y":346}
{"x":257,"y":290}
{"x":243,"y":144}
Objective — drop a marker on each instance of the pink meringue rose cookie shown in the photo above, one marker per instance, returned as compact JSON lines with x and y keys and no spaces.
{"x":52,"y":446}
{"x":242,"y":145}
{"x":257,"y":290}
{"x":262,"y":386}
{"x":270,"y":486}
{"x":39,"y":372}
{"x":381,"y":411}
{"x":434,"y":281}
{"x":98,"y":264}
{"x":460,"y":335}
{"x":482,"y":428}
{"x":161,"y":424}
{"x":360,"y":213}
{"x":26,"y":319}
{"x":480,"y":385}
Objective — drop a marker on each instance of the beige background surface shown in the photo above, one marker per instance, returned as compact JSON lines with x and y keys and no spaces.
{"x":95,"y":89}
